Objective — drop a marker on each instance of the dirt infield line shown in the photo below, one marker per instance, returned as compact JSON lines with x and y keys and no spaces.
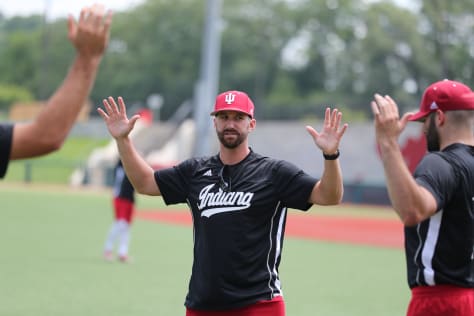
{"x":387,"y":233}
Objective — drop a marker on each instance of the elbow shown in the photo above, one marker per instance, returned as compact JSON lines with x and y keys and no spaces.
{"x":146,"y":188}
{"x":50,"y":141}
{"x":141,"y":190}
{"x":411,"y":219}
{"x":412,"y":213}
{"x":56,"y":145}
{"x":48,"y":146}
{"x":327,"y":196}
{"x":335,"y":199}
{"x":409,"y":222}
{"x":53,"y":146}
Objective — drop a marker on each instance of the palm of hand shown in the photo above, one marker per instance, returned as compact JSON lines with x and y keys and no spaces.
{"x":115,"y":117}
{"x":118,"y":126}
{"x":330,"y":136}
{"x":327,"y":140}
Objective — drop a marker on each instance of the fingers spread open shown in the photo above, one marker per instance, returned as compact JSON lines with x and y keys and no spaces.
{"x":107,"y":107}
{"x":122,"y":108}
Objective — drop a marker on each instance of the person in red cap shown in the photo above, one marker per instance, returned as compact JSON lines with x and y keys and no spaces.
{"x":436,"y":203}
{"x":46,"y":132}
{"x":238,"y":200}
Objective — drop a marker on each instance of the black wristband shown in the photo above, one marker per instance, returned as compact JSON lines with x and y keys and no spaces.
{"x":333,"y":156}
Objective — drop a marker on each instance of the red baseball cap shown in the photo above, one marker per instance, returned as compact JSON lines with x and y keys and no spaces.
{"x":445,"y":95}
{"x":234,"y":101}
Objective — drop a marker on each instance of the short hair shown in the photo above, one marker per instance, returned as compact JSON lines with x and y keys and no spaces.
{"x":461,"y":118}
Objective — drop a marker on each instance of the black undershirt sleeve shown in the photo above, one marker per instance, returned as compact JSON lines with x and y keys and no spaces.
{"x":6,"y":135}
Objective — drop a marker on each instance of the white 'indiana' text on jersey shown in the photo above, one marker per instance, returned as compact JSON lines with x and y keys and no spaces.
{"x":239,"y":215}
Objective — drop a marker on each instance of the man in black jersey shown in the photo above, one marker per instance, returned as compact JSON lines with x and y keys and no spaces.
{"x":238,"y":200}
{"x":436,"y":204}
{"x":47,"y":132}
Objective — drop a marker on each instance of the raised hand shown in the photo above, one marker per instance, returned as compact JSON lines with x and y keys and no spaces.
{"x":115,"y":117}
{"x":388,"y":124}
{"x":90,"y":35}
{"x":328,"y":139}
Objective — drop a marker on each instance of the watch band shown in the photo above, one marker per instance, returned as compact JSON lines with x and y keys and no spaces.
{"x":333,"y":156}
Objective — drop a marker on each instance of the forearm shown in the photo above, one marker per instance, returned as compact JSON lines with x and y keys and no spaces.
{"x":64,"y":105}
{"x":330,"y":188}
{"x":47,"y":132}
{"x":138,"y":171}
{"x":407,"y":197}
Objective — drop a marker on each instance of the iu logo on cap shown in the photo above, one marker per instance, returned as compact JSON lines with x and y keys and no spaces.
{"x":229,"y":98}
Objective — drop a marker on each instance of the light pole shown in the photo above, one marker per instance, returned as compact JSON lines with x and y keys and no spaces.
{"x":207,"y":85}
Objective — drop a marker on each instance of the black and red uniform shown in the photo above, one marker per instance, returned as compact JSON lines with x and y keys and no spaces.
{"x":6,"y":135}
{"x":239,"y":214}
{"x":440,"y":250}
{"x":124,"y":195}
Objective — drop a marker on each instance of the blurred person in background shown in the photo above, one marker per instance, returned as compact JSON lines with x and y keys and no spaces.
{"x":124,"y":206}
{"x":48,"y":130}
{"x":436,"y":203}
{"x":238,"y":200}
{"x":117,"y":242}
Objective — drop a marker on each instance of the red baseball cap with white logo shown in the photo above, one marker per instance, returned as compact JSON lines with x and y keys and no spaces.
{"x":445,"y":95}
{"x":234,"y":101}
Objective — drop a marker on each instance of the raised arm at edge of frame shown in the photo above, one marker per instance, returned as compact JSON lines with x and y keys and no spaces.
{"x":48,"y":131}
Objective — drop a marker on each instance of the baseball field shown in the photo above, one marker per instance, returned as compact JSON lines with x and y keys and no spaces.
{"x":345,"y":260}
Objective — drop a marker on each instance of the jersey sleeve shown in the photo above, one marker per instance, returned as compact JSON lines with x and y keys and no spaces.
{"x":6,"y":135}
{"x":174,"y":182}
{"x":437,"y":176}
{"x":293,"y":185}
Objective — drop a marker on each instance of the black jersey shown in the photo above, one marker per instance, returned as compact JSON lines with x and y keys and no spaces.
{"x":239,"y":215}
{"x":122,"y":186}
{"x":440,"y":250}
{"x":6,"y":134}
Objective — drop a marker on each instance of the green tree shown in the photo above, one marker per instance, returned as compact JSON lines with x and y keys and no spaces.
{"x":155,"y":48}
{"x":10,"y":94}
{"x":293,"y":57}
{"x":448,"y":26}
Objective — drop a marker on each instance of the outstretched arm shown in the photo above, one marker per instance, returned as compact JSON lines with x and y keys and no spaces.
{"x":138,"y":171}
{"x":330,"y":188}
{"x":412,"y":202}
{"x":47,"y":132}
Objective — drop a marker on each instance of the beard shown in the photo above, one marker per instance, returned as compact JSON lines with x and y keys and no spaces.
{"x":432,"y":136}
{"x":233,"y":143}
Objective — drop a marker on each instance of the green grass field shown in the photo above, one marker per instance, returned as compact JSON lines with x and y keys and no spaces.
{"x":57,"y":167}
{"x":51,"y":263}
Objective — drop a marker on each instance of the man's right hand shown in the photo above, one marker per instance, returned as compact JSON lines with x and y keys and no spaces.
{"x":116,"y":119}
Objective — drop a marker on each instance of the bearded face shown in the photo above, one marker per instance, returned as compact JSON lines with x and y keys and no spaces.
{"x":231,"y":138}
{"x":232,"y":128}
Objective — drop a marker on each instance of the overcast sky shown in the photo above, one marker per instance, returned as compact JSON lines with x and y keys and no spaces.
{"x":59,"y":8}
